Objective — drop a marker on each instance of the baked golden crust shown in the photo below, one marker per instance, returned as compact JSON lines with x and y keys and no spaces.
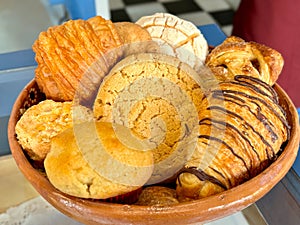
{"x":237,"y":57}
{"x":131,"y":32}
{"x":136,"y":39}
{"x":65,"y":52}
{"x":190,"y":187}
{"x":41,"y":122}
{"x":158,"y":98}
{"x":68,"y":169}
{"x":140,"y":72}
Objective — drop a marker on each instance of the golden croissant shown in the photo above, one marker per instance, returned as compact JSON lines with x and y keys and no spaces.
{"x":76,"y":55}
{"x":242,"y":126}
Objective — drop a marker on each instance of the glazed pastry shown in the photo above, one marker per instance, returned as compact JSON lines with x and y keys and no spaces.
{"x":65,"y":52}
{"x":157,"y":196}
{"x":76,"y":165}
{"x":235,"y":57}
{"x":41,"y":122}
{"x":177,"y":37}
{"x":242,"y":127}
{"x":238,"y":137}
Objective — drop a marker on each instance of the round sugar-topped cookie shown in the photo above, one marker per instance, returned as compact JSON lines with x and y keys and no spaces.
{"x":158,"y":98}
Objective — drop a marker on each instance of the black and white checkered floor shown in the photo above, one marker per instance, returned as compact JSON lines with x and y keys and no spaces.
{"x":199,"y":12}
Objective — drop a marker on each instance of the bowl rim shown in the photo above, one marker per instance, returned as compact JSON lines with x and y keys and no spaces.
{"x":211,"y":208}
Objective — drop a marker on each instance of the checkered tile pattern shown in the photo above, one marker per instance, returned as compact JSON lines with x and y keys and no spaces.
{"x":199,"y":12}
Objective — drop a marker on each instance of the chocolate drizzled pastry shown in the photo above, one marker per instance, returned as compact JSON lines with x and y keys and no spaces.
{"x":239,"y":137}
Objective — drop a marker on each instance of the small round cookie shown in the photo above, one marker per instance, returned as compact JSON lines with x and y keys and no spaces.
{"x":177,"y":37}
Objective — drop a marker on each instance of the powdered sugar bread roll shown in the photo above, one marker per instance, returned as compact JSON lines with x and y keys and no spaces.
{"x":177,"y":37}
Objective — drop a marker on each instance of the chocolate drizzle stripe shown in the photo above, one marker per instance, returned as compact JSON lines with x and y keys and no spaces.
{"x":222,"y":175}
{"x":236,"y":130}
{"x":242,"y":78}
{"x":259,"y":115}
{"x":262,"y":118}
{"x":282,"y":119}
{"x":218,"y":172}
{"x":246,"y":81}
{"x":271,"y":156}
{"x":254,"y":88}
{"x":201,"y":175}
{"x":220,"y":94}
{"x":228,"y":147}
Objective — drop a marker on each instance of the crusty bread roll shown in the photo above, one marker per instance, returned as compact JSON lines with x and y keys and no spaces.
{"x":135,"y":38}
{"x":77,"y":166}
{"x":43,"y":121}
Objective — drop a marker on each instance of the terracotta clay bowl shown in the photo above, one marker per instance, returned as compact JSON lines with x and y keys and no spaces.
{"x":198,"y":211}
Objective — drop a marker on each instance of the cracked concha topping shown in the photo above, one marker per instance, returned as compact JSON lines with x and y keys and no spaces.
{"x":158,"y":98}
{"x":177,"y":37}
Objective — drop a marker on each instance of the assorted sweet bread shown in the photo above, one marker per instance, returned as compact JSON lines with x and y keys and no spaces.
{"x":78,"y":175}
{"x":244,"y":134}
{"x":177,"y":37}
{"x":238,"y":57}
{"x":152,"y":75}
{"x":167,"y":120}
{"x":43,"y":121}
